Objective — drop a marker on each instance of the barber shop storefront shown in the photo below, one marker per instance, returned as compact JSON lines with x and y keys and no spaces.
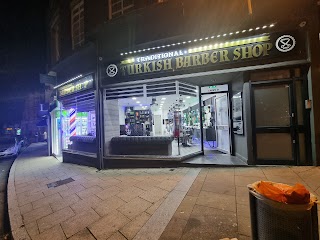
{"x":236,"y":99}
{"x":73,"y":122}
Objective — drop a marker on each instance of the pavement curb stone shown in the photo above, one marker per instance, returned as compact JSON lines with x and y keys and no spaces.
{"x":18,"y":230}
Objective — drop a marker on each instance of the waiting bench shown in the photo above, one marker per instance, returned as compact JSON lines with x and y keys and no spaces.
{"x":83,"y":143}
{"x":141,"y":145}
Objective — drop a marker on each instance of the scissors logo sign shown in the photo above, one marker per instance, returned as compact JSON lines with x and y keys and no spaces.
{"x":285,"y":43}
{"x":112,"y":70}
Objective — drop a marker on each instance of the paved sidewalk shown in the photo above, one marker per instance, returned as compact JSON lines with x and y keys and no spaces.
{"x":162,"y":203}
{"x":217,"y":204}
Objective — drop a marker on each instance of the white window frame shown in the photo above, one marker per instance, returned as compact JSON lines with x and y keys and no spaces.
{"x":121,"y":11}
{"x":76,"y":10}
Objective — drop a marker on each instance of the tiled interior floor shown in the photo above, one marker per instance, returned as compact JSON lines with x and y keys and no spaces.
{"x":184,"y":150}
{"x":216,"y":158}
{"x":211,"y":155}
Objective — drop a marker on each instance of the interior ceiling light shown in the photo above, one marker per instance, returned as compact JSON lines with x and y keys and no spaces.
{"x":195,"y":40}
{"x":134,"y":98}
{"x":138,"y":101}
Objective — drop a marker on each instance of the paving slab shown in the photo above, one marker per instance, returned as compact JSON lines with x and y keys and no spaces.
{"x":223,"y":192}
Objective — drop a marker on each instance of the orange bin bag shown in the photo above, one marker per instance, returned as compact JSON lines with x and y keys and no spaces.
{"x":284,"y":193}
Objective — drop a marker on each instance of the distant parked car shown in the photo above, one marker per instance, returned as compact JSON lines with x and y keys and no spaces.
{"x":10,"y":146}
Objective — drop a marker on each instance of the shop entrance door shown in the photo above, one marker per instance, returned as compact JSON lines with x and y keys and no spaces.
{"x":273,"y":123}
{"x":222,"y":123}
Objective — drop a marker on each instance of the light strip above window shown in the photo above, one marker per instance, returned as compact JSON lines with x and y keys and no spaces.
{"x":66,"y":82}
{"x":199,"y":40}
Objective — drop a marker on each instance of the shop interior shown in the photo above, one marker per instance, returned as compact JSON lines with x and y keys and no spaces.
{"x":175,"y":116}
{"x":75,"y":123}
{"x":179,"y":116}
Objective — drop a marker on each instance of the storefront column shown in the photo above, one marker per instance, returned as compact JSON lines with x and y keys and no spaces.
{"x":99,"y":111}
{"x":315,"y":82}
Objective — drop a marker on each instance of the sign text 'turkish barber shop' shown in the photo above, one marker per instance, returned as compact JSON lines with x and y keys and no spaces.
{"x":206,"y":56}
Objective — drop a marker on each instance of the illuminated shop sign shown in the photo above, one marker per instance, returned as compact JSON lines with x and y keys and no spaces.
{"x":215,"y":88}
{"x":160,"y":56}
{"x":207,"y":56}
{"x":196,"y":57}
{"x":80,"y":85}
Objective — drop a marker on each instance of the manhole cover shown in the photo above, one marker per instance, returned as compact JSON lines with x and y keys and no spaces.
{"x":60,"y":182}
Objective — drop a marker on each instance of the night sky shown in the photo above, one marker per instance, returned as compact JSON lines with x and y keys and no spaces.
{"x":22,"y":54}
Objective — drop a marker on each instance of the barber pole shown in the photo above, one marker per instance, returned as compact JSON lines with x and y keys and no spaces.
{"x":72,"y":121}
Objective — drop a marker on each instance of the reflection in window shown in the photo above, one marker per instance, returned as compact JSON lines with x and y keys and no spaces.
{"x":119,"y":7}
{"x":55,"y":40}
{"x":77,"y":23}
{"x":272,"y":105}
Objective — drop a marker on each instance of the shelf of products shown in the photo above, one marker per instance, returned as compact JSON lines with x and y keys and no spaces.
{"x":140,"y":121}
{"x":138,"y":116}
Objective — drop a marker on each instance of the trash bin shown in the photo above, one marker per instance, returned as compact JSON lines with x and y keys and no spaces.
{"x":272,"y":220}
